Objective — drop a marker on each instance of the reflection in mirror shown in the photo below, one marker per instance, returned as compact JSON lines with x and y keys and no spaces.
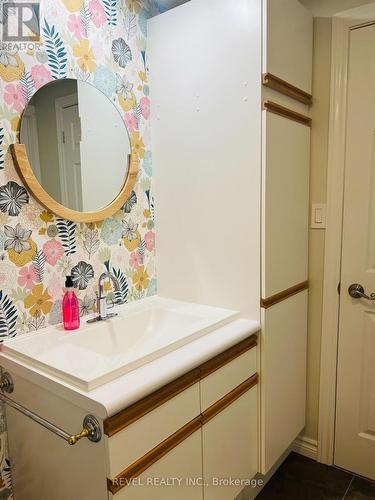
{"x":77,"y":144}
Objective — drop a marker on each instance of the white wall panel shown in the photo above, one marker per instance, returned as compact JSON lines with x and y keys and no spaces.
{"x":205,"y":66}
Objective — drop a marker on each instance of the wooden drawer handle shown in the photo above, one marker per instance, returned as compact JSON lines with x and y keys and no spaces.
{"x":277,"y":109}
{"x":285,"y":294}
{"x":275,"y":83}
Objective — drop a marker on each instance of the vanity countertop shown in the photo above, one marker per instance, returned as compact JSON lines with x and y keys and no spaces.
{"x":114,"y":395}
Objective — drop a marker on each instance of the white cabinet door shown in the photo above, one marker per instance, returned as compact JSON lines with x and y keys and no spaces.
{"x":283,"y":381}
{"x":288,"y":42}
{"x":172,"y":477}
{"x":230,"y":448}
{"x":285,"y":210}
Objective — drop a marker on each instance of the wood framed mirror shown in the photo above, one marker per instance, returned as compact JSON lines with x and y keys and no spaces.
{"x":75,"y":155}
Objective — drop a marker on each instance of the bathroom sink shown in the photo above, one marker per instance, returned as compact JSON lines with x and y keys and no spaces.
{"x":98,"y":353}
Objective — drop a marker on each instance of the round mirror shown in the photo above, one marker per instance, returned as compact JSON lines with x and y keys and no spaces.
{"x":77,"y":147}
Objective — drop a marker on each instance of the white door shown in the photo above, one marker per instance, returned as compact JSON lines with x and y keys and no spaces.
{"x":69,"y":137}
{"x":355,"y":409}
{"x":29,"y":132}
{"x":72,"y":157}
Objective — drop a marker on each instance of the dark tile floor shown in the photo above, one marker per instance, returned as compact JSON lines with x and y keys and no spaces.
{"x":300,"y":478}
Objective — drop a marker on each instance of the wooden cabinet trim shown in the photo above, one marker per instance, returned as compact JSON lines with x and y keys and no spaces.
{"x":229,"y":398}
{"x":129,"y":415}
{"x":134,"y":470}
{"x":158,"y":452}
{"x":279,"y":110}
{"x":227,"y":356}
{"x":275,"y":83}
{"x":285,"y":294}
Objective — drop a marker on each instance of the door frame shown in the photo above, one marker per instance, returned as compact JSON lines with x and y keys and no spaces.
{"x":342,"y":24}
{"x":60,"y":104}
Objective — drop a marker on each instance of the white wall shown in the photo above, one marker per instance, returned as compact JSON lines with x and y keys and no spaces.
{"x":104,"y":163}
{"x":318,"y":188}
{"x":206,"y":135}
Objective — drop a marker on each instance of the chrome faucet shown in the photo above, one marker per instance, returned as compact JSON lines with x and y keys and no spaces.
{"x":101,"y":300}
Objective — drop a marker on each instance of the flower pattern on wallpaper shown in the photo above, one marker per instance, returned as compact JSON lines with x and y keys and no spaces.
{"x":102,"y":42}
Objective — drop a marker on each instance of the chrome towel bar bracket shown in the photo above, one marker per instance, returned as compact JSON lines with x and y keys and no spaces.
{"x":90,"y":427}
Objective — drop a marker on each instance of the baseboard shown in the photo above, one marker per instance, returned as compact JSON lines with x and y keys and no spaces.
{"x":306,"y":446}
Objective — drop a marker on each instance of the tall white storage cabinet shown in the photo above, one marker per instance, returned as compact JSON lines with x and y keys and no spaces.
{"x":286,"y":96}
{"x":231,"y":140}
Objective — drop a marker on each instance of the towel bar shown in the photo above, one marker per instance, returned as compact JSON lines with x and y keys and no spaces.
{"x":91,"y":427}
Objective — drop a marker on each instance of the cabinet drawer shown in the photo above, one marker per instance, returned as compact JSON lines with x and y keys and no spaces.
{"x":134,"y":441}
{"x":222,"y":381}
{"x":184,"y":462}
{"x":230,"y":447}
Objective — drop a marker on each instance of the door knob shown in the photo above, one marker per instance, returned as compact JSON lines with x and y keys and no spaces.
{"x":356,"y":291}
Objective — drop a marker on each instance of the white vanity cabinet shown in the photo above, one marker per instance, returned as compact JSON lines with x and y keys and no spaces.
{"x":179,"y":441}
{"x":196,"y":433}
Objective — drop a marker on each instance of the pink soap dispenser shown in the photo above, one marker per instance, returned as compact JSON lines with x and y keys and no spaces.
{"x":70,"y":306}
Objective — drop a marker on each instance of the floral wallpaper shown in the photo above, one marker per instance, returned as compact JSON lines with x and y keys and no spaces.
{"x":103,"y":42}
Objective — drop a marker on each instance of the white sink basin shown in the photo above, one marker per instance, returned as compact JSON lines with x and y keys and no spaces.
{"x":98,"y":353}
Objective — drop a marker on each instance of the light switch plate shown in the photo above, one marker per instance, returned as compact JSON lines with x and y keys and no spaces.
{"x":318,"y":216}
